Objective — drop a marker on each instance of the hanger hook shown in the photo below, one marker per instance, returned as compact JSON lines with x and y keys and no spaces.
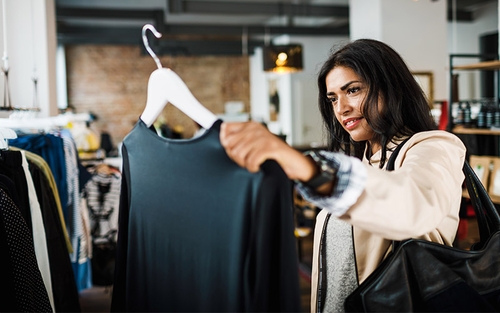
{"x":146,"y":43}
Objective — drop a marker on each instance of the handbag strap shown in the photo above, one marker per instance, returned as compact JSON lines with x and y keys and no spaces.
{"x":390,"y":167}
{"x":487,"y":215}
{"x":394,"y":155}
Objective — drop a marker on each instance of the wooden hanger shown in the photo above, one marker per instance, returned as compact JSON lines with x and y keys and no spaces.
{"x":166,"y":86}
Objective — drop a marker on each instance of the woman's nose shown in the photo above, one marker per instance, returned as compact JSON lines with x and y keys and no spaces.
{"x":342,"y":106}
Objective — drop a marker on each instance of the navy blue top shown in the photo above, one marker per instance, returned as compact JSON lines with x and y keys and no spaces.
{"x":199,"y":233}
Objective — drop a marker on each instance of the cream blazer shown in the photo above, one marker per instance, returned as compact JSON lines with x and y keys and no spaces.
{"x":419,"y":199}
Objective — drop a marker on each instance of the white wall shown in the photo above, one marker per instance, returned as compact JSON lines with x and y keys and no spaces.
{"x":259,"y":97}
{"x":419,"y":37}
{"x":308,"y":125}
{"x":364,"y":19}
{"x":31,"y":43}
{"x":415,"y":29}
{"x":463,"y":38}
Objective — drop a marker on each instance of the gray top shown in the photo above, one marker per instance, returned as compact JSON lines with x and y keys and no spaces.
{"x":340,"y":269}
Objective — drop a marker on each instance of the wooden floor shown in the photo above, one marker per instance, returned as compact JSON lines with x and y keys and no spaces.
{"x":96,"y":299}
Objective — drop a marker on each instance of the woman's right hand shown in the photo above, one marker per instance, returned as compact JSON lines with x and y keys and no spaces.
{"x":250,"y":144}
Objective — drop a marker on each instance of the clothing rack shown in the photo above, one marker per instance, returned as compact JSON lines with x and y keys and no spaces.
{"x":44,"y":123}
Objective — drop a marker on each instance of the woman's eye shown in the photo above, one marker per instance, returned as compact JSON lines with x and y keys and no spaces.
{"x":353,"y":90}
{"x":332,"y":100}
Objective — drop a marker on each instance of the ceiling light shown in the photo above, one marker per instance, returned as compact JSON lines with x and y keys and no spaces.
{"x":283,"y":58}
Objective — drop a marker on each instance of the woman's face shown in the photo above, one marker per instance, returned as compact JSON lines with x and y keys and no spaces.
{"x":346,"y":92}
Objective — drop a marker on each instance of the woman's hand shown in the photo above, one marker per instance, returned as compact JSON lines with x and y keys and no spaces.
{"x":250,"y":144}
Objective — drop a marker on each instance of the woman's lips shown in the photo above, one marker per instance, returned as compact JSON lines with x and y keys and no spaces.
{"x":351,"y":123}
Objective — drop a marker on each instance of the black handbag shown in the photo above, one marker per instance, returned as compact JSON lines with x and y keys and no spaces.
{"x":422,"y":276}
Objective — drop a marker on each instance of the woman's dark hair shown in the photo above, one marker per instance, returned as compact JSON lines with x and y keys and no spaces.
{"x":405,"y":108}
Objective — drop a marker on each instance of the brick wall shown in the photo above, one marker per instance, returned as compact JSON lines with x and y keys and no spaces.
{"x":111,"y":82}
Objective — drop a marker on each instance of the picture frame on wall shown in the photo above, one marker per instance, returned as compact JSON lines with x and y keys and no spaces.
{"x":481,"y":166}
{"x":494,"y":187}
{"x":426,"y":82}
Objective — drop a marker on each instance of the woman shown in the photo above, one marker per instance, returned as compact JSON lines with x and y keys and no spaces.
{"x":370,"y":103}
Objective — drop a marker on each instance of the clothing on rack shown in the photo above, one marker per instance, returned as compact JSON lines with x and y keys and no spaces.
{"x":40,"y":168}
{"x":83,"y":265}
{"x":199,"y":233}
{"x":102,"y":194}
{"x":63,"y":281}
{"x":48,"y":239}
{"x":11,"y":166}
{"x":58,"y":150}
{"x":26,"y":281}
{"x":50,"y":148}
{"x":39,"y":236}
{"x":74,"y":218}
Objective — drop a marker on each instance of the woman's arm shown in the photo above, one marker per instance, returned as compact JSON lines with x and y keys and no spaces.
{"x":250,"y":144}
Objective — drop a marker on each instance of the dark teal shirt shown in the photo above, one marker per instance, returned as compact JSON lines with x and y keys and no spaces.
{"x":199,"y":233}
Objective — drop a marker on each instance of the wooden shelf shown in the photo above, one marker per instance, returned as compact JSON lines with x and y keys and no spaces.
{"x":475,"y":131}
{"x":494,"y":199}
{"x":486,"y":65}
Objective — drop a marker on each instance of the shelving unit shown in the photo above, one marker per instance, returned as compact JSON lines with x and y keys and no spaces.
{"x":493,"y":65}
{"x":459,"y":129}
{"x":486,"y":65}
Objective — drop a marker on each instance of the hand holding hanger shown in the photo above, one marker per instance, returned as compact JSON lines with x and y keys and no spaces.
{"x":166,"y":86}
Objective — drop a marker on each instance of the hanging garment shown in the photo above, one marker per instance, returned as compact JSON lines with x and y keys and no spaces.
{"x":38,"y":164}
{"x":199,"y":233}
{"x":61,"y":156}
{"x":9,"y":302}
{"x":11,"y":166}
{"x":102,"y":194}
{"x":50,"y":148}
{"x":39,"y":236}
{"x":27,"y":284}
{"x":63,"y":280}
{"x":15,"y":166}
{"x":78,"y":216}
{"x":74,"y":221}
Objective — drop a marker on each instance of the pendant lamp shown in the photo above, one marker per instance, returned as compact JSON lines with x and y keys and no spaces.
{"x":283,"y":58}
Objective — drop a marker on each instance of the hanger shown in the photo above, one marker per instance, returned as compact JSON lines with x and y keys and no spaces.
{"x":5,"y":134}
{"x":166,"y":86}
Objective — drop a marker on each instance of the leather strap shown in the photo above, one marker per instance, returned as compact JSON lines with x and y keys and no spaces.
{"x":392,"y":159}
{"x":390,"y":167}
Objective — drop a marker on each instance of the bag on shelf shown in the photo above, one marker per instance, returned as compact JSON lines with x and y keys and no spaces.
{"x":421,"y":276}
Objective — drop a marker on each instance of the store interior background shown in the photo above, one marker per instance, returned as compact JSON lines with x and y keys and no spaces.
{"x":95,"y":72}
